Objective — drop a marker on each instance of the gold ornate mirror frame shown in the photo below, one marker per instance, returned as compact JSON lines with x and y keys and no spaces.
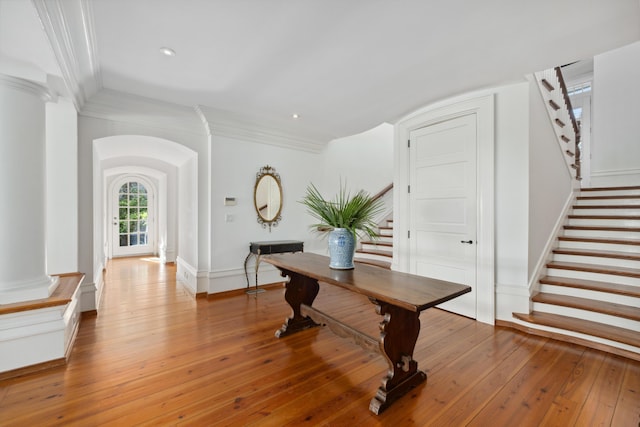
{"x":267,"y":197}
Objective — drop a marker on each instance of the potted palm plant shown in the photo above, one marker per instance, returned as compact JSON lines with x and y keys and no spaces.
{"x":343,"y":218}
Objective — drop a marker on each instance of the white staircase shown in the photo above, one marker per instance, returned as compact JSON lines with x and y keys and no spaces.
{"x":591,"y":291}
{"x":380,"y":251}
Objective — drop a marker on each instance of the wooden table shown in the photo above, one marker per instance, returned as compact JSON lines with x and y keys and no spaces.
{"x":399,"y":298}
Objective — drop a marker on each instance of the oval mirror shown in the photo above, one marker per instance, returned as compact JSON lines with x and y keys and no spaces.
{"x":267,"y":197}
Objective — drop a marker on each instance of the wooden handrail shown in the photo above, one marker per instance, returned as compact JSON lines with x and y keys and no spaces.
{"x":574,"y":122}
{"x":382,"y":192}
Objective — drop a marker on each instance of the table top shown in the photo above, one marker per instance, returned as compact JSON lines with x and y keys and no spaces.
{"x":411,"y":292}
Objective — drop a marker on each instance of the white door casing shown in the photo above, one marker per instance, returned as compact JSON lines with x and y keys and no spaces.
{"x":483,"y":107}
{"x":442,"y":204}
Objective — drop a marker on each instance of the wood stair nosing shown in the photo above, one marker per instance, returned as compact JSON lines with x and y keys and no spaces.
{"x":609,"y":197}
{"x":593,"y":268}
{"x":600,"y":240}
{"x":592,"y":285}
{"x":601,"y":228}
{"x":377,"y":242}
{"x":600,"y":254}
{"x":604,"y":307}
{"x":586,"y":327}
{"x":630,"y":188}
{"x":630,"y":207}
{"x":612,"y":217}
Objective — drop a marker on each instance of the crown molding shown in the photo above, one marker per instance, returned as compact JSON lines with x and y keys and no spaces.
{"x":27,"y":86}
{"x":124,"y":107}
{"x":68,"y":38}
{"x":231,"y":125}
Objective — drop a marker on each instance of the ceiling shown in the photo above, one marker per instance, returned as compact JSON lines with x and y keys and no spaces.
{"x":343,"y":66}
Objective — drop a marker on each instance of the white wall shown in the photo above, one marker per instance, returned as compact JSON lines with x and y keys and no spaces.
{"x":363,"y":161}
{"x":615,"y":145}
{"x":550,"y":183}
{"x":235,"y":164}
{"x":61,"y":156}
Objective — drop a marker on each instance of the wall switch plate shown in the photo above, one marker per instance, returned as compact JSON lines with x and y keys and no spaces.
{"x":230,"y":201}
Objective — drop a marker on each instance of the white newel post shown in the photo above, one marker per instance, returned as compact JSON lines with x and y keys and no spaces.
{"x":22,"y":181}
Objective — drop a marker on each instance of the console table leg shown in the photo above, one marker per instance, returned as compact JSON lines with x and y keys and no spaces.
{"x":300,"y":290}
{"x":399,"y":331}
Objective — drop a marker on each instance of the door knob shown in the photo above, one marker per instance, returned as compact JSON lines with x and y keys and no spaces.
{"x":470,"y":242}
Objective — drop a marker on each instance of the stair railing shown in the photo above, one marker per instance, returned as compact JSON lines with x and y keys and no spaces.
{"x":554,"y":92}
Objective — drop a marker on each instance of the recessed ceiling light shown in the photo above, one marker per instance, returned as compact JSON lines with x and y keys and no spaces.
{"x":168,"y":51}
{"x":295,"y":116}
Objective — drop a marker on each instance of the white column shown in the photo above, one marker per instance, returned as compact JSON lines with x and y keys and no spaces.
{"x":22,"y":191}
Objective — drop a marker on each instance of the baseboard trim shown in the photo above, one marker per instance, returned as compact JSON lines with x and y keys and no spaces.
{"x":569,"y":339}
{"x":20,"y":372}
{"x":236,"y":292}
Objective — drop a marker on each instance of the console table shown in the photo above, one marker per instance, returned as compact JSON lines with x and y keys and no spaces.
{"x":269,"y":247}
{"x":399,"y":298}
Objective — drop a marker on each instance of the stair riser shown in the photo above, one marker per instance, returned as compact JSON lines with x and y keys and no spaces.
{"x":604,"y":234}
{"x":589,"y":294}
{"x":624,"y":280}
{"x":597,"y":202}
{"x":614,"y":262}
{"x":589,"y":222}
{"x":373,"y":256}
{"x":588,"y":315}
{"x":386,"y":232}
{"x":595,"y":210}
{"x":633,"y":249}
{"x":373,"y":246}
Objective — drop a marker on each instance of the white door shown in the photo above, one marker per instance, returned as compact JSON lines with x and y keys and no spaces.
{"x":132,"y":217}
{"x":442,"y":199}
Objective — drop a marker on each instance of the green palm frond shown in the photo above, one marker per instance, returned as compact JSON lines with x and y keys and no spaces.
{"x":353,"y":213}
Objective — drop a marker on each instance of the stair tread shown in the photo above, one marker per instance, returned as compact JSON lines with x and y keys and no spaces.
{"x":634,"y":187}
{"x":595,"y":253}
{"x":620,"y":217}
{"x":592,"y":285}
{"x":606,"y":206}
{"x":374,"y":252}
{"x":594,"y":268}
{"x":382,"y":264}
{"x":377,"y":242}
{"x":601,"y":228}
{"x":587,"y":327}
{"x":600,"y":240}
{"x":609,"y":197}
{"x":613,"y":309}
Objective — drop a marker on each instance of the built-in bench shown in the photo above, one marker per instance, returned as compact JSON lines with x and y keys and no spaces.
{"x":33,"y":325}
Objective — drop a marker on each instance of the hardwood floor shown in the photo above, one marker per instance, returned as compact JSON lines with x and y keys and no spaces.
{"x":156,"y":356}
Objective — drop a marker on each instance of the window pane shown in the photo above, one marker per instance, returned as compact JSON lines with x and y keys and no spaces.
{"x":133,"y":226}
{"x":133,"y":187}
{"x":124,"y":240}
{"x":143,"y":225}
{"x":124,"y":228}
{"x":133,"y":200}
{"x":123,"y":200}
{"x":133,"y":213}
{"x":143,"y":200}
{"x":143,"y":238}
{"x":124,"y":189}
{"x":143,"y":213}
{"x":133,"y":239}
{"x":123,"y":213}
{"x":141,"y":189}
